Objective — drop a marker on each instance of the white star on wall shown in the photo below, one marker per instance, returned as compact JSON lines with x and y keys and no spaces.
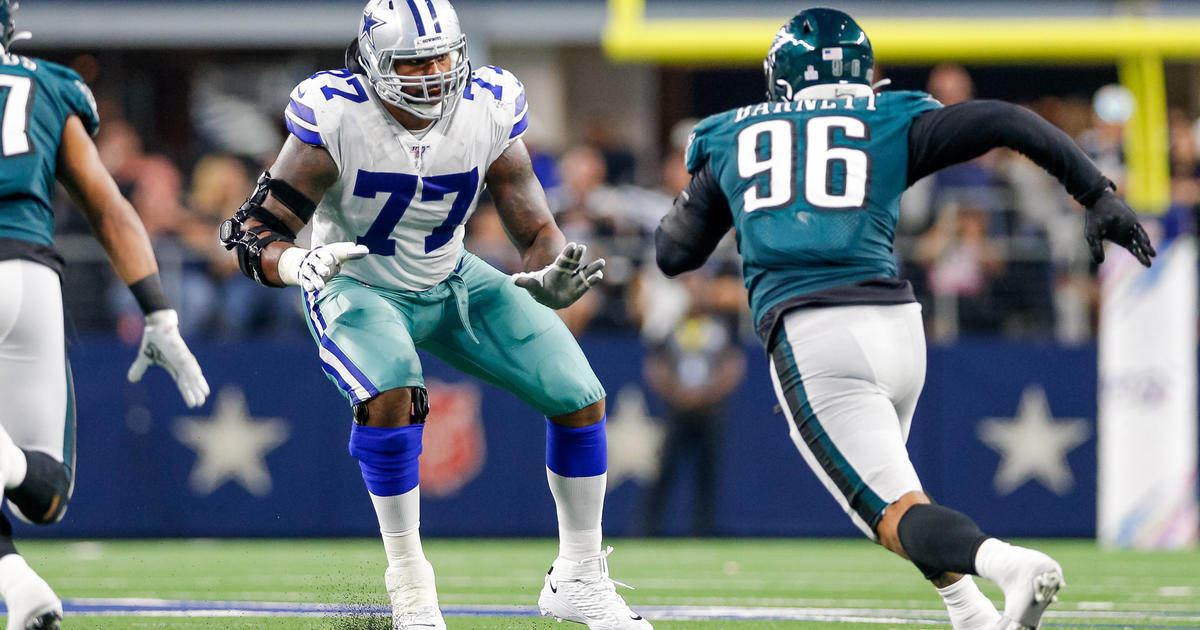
{"x":1034,"y":445}
{"x":634,"y":439}
{"x":231,"y":445}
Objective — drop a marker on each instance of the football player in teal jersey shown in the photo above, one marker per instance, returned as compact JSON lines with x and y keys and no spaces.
{"x":47,"y":115}
{"x":811,"y":181}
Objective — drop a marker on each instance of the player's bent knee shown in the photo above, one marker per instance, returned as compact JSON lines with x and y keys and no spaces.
{"x":394,"y":408}
{"x":42,"y":498}
{"x":585,"y":417}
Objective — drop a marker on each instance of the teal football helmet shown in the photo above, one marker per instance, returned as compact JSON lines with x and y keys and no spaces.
{"x":8,"y":27}
{"x":817,"y":47}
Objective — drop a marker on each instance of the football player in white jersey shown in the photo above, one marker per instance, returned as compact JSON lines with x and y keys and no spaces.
{"x":387,"y":158}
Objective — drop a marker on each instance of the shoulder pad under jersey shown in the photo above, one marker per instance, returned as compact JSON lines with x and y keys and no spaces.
{"x":506,"y":92}
{"x":696,"y":154}
{"x":913,"y":101}
{"x":315,"y":106}
{"x":67,"y":85}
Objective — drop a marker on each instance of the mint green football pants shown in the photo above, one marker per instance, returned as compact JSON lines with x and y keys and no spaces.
{"x":476,"y":320}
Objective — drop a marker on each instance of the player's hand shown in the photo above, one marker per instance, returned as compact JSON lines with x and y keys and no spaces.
{"x":162,"y":345}
{"x":563,"y":281}
{"x":1109,"y":218}
{"x":312,"y":268}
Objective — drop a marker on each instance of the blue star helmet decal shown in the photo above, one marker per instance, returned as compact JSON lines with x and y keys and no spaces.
{"x":370,"y":22}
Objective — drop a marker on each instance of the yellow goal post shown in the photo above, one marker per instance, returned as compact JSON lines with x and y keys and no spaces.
{"x":1136,"y":44}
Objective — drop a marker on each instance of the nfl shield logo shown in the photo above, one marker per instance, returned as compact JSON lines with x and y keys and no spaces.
{"x":453,"y":443}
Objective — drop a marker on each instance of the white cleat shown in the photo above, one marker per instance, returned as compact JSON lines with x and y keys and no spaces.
{"x":414,"y":598}
{"x":1030,"y":585}
{"x":582,"y":592}
{"x":425,"y":619}
{"x":32,"y":605}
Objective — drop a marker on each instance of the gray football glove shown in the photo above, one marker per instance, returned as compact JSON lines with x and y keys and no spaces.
{"x":1109,"y":218}
{"x":162,"y":345}
{"x":564,"y":281}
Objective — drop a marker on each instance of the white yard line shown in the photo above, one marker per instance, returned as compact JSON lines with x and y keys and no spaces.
{"x":151,"y":607}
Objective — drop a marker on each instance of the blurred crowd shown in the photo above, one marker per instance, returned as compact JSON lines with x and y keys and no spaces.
{"x":993,"y":246}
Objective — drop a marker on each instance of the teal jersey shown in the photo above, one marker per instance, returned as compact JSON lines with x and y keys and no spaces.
{"x":814,"y":188}
{"x":36,"y":99}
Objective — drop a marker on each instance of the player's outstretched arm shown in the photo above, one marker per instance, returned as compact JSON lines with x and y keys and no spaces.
{"x":554,"y":271}
{"x":121,"y":233}
{"x":961,"y":132}
{"x":263,"y":230}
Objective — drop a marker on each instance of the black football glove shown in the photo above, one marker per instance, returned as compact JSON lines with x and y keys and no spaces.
{"x":1109,"y":218}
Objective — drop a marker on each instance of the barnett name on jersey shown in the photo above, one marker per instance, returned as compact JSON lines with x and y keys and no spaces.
{"x":36,"y":99}
{"x":404,"y":195}
{"x":814,"y":189}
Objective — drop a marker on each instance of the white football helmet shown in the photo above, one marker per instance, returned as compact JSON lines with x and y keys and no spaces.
{"x":393,"y":30}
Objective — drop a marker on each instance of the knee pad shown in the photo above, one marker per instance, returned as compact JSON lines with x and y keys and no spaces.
{"x":42,"y":498}
{"x":388,"y":458}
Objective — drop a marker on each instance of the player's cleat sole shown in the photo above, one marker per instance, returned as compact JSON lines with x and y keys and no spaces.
{"x":46,"y":621}
{"x":1043,"y":591}
{"x":1030,"y":580}
{"x":32,"y":604}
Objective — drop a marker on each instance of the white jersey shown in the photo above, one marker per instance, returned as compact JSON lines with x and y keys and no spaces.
{"x":405,"y":197}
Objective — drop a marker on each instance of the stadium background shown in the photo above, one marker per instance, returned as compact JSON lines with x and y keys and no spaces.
{"x":191,"y":96}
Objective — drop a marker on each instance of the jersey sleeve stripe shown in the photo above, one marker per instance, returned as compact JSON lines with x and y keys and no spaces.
{"x":306,"y":135}
{"x":520,"y":126}
{"x":521,"y":104}
{"x":303,"y":112}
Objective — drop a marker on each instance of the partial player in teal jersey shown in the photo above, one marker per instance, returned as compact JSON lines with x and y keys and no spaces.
{"x":46,"y":117}
{"x":811,"y":181}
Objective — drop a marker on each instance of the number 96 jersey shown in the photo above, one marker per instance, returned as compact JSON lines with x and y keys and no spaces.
{"x":814,"y":187}
{"x":405,"y":196}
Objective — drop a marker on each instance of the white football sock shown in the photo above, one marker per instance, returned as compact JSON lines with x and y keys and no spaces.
{"x":580,"y":505}
{"x":969,"y":608}
{"x":13,"y":464}
{"x":400,"y":525}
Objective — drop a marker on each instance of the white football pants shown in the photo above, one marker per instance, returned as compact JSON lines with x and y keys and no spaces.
{"x":848,"y":379}
{"x":34,"y":387}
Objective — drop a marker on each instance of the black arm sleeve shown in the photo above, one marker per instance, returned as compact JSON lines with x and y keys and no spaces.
{"x":698,"y":220}
{"x":941,"y":137}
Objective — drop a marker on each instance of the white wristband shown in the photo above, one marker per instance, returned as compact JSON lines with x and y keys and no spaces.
{"x":289,"y":264}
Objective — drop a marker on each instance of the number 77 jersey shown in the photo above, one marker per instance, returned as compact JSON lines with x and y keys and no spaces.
{"x":405,"y":196}
{"x":814,"y":187}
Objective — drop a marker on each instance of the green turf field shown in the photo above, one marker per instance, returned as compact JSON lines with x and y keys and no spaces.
{"x":785,"y":584}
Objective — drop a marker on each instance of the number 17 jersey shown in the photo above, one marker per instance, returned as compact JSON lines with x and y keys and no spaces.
{"x":814,"y":189}
{"x":405,"y":196}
